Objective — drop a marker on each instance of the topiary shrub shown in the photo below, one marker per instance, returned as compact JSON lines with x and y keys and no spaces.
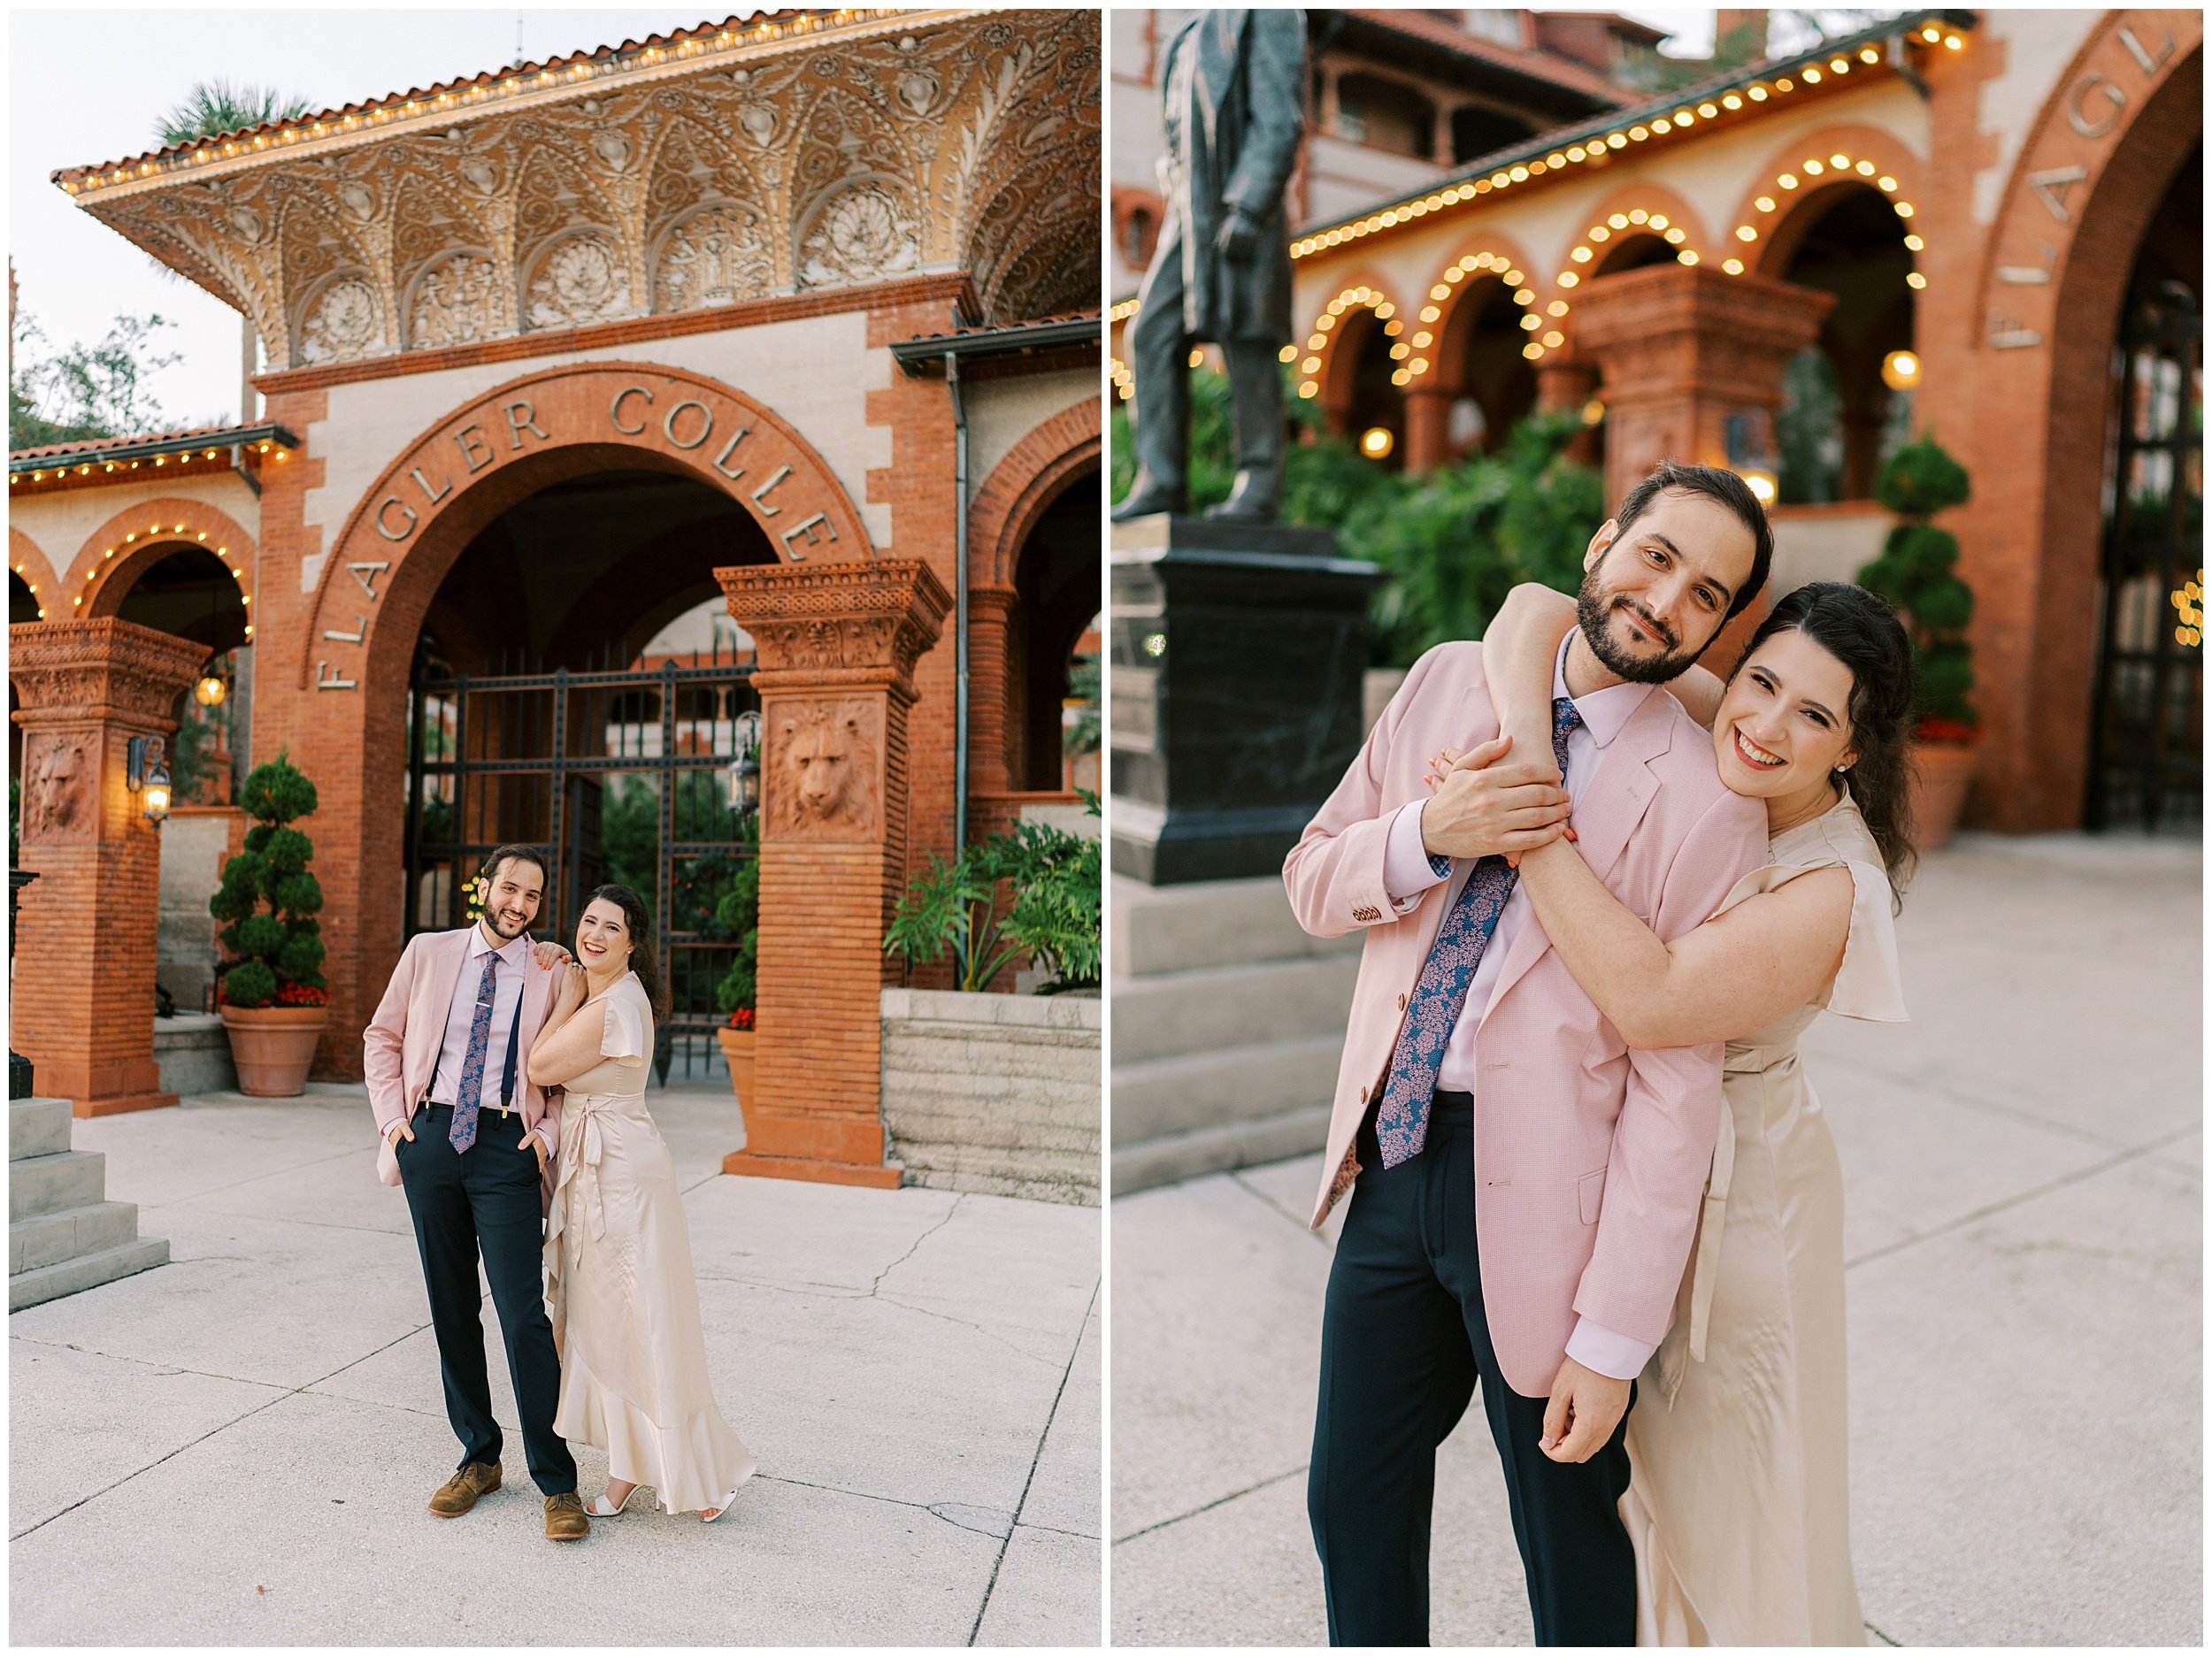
{"x":1916,"y":574}
{"x":269,"y":899}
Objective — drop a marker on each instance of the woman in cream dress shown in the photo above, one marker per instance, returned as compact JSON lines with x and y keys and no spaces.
{"x":1739,"y":1500}
{"x":625,"y":1305}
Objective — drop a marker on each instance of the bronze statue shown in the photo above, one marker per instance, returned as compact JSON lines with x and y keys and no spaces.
{"x":1233,"y":87}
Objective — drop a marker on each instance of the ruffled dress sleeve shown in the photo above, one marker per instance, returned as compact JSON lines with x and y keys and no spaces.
{"x":628,"y":1034}
{"x":1868,"y":984}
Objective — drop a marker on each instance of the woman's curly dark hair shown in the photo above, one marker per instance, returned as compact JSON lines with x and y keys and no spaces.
{"x":1863,"y":633}
{"x":645,"y":960}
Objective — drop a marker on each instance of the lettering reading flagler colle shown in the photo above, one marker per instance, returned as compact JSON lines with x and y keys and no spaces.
{"x":689,"y":425}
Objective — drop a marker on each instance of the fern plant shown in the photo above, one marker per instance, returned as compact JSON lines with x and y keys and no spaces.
{"x":270,"y":899}
{"x":1055,"y":917}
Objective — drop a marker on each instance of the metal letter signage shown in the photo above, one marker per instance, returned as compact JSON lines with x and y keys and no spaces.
{"x":423,"y":483}
{"x":760,"y":494}
{"x":528,"y":423}
{"x":2143,"y":59}
{"x":2051,"y":187}
{"x":729,"y":449}
{"x":807,"y":529}
{"x":2031,"y":275}
{"x":2081,"y":121}
{"x":668,"y":426}
{"x":367,"y":574}
{"x":360,"y":627}
{"x":323,"y":681}
{"x":385,"y":529}
{"x":467,"y":453}
{"x":614,"y":410}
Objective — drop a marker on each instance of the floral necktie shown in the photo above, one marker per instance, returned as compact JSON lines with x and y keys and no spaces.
{"x":1402,"y":1122}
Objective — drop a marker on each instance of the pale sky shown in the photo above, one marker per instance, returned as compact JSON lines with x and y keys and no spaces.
{"x":75,"y":276}
{"x":87,"y":86}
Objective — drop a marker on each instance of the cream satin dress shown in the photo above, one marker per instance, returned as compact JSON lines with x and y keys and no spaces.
{"x":1738,"y":1504}
{"x":625,"y":1302}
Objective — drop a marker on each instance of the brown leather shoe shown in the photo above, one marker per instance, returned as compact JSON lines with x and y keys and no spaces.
{"x":459,"y":1492}
{"x":564,"y":1519}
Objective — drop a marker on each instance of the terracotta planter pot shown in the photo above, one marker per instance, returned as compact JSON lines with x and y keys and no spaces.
{"x":273,"y":1046}
{"x":1941,"y":772}
{"x":737,"y":1052}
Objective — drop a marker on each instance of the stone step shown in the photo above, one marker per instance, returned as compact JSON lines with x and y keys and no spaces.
{"x":1217,"y":1149}
{"x":1164,"y":1096}
{"x":49,"y":1239}
{"x":86,"y":1270}
{"x":37,"y":1127}
{"x":1159,"y":929}
{"x":53,"y":1183}
{"x":1232,"y":1006}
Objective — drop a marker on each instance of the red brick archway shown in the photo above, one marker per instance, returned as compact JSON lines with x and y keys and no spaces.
{"x":340,"y":703}
{"x":28,"y":559}
{"x":1020,"y":490}
{"x":124,"y":547}
{"x":2042,"y":314}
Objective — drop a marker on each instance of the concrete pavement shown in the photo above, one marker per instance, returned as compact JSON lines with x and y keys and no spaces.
{"x":235,"y":1448}
{"x":2024,"y":1173}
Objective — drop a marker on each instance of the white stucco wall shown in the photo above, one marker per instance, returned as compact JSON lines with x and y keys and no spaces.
{"x":2038,"y":44}
{"x":62,"y":523}
{"x":786,"y":366}
{"x":1001,"y":412}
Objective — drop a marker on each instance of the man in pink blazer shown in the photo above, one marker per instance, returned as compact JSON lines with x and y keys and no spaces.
{"x":1526,"y":1187}
{"x":472,"y":1141}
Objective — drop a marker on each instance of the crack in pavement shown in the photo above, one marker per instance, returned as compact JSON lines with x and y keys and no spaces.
{"x":1252,"y":1489}
{"x":2139,"y":1153}
{"x":1236,"y":1177}
{"x":288,"y":1392}
{"x":1051,"y":1415}
{"x":915,"y":1246}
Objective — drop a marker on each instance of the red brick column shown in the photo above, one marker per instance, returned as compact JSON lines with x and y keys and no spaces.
{"x":1428,"y":430}
{"x":1680,"y":349}
{"x":1566,"y":382}
{"x":84,"y":958}
{"x":835,"y":647}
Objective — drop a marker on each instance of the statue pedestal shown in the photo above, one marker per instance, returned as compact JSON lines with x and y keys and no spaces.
{"x":1237,"y":652}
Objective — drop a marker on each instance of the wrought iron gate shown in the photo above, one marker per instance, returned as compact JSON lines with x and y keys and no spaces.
{"x":2146,"y":741}
{"x":617,"y":775}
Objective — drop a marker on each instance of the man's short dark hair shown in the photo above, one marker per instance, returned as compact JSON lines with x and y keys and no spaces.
{"x":1715,"y":483}
{"x":504,"y":855}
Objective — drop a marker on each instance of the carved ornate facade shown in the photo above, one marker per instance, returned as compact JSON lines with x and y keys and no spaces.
{"x":814,"y":151}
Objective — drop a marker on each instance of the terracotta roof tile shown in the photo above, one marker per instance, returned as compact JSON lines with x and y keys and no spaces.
{"x":216,"y":436}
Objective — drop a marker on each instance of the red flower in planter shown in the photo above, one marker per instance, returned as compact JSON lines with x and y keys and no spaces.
{"x":741,"y":1019}
{"x":1933,"y":729}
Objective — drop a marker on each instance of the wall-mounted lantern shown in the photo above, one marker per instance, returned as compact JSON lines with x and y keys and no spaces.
{"x":210,"y":691}
{"x":744,"y":771}
{"x":1751,"y":453}
{"x":146,"y":773}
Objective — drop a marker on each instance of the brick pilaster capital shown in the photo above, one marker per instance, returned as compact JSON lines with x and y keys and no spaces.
{"x":862,"y":624}
{"x":106,"y":670}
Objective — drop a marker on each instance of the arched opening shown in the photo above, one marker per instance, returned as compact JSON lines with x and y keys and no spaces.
{"x":1840,"y":419}
{"x":2146,"y":757}
{"x":1634,"y":251}
{"x":579,"y":687}
{"x":1364,"y":395}
{"x":192,"y":594}
{"x":22,"y":602}
{"x":1492,"y":381}
{"x":1056,"y":607}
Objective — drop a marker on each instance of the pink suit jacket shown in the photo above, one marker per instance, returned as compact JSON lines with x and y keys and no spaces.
{"x":1590,"y":1159}
{"x":400,"y":1047}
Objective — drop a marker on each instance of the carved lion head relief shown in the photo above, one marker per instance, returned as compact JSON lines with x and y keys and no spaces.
{"x":826,"y":771}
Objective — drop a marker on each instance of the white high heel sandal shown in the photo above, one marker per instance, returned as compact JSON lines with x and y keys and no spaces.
{"x":711,"y":1516}
{"x":597,"y":1506}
